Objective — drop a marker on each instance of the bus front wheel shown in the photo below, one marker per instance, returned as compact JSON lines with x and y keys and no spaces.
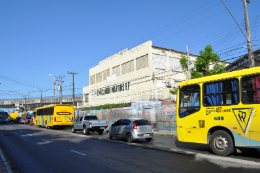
{"x":221,"y":143}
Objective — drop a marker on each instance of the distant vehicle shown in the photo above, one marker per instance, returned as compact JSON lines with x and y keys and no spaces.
{"x":131,"y":129}
{"x":22,"y":121}
{"x":3,"y":117}
{"x":89,"y":123}
{"x":28,"y":117}
{"x":13,"y":116}
{"x":58,"y":115}
{"x":17,"y":119}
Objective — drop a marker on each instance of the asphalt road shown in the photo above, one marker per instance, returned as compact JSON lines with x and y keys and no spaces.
{"x":32,"y":149}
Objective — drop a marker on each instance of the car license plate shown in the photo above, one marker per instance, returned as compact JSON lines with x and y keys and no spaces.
{"x":64,"y":123}
{"x":146,"y":134}
{"x":102,"y":127}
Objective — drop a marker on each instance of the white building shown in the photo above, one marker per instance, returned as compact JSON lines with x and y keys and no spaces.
{"x":142,"y":73}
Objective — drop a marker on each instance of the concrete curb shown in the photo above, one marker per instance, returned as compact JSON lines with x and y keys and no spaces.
{"x":6,"y":164}
{"x":178,"y":151}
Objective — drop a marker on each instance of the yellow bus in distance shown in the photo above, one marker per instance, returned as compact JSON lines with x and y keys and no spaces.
{"x":13,"y":116}
{"x":221,"y":110}
{"x":58,"y":115}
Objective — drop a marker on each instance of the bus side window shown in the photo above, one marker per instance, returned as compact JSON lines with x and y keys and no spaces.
{"x":189,"y":100}
{"x":251,"y":89}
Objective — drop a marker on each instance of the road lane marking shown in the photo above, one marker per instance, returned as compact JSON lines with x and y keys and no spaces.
{"x":46,"y":140}
{"x":78,"y":152}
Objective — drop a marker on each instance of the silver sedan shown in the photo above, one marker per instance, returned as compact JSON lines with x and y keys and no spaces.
{"x":131,"y":129}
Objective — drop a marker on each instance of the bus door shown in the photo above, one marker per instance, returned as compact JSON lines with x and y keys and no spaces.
{"x":193,"y":121}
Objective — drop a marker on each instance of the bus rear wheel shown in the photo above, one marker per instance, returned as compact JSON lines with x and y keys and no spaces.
{"x":221,"y":143}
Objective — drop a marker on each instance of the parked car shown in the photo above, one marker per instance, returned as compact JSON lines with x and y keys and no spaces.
{"x":22,"y":121}
{"x":17,"y":119}
{"x":3,"y":117}
{"x":131,"y":129}
{"x":88,"y":123}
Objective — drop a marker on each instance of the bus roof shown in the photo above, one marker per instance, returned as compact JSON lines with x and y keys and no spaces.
{"x":227,"y":75}
{"x":49,"y":106}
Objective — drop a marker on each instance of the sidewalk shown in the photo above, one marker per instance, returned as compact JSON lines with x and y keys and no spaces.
{"x":4,"y":165}
{"x":165,"y":132}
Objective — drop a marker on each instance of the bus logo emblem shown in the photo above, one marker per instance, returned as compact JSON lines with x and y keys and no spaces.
{"x":244,"y":117}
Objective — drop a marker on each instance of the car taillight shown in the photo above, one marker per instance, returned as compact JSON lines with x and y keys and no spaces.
{"x":151,"y":124}
{"x":135,"y":126}
{"x":90,"y":123}
{"x":54,"y":119}
{"x":72,"y":119}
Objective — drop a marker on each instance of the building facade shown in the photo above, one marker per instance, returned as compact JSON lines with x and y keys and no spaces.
{"x":145,"y":72}
{"x":243,"y":62}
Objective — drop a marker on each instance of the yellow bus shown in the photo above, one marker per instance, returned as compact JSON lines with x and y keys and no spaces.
{"x":59,"y":115}
{"x":221,"y":110}
{"x":13,"y":116}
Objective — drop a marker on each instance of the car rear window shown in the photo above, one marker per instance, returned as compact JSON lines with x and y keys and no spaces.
{"x":90,"y":118}
{"x":142,"y":122}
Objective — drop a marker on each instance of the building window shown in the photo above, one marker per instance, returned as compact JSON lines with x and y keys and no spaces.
{"x":142,"y":62}
{"x":175,"y":63}
{"x":86,"y":98}
{"x":99,"y":77}
{"x":92,"y":79}
{"x":159,"y":61}
{"x":106,"y":73}
{"x":116,"y":70}
{"x":128,"y":67}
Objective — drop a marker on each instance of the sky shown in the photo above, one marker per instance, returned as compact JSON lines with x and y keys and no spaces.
{"x":42,"y":37}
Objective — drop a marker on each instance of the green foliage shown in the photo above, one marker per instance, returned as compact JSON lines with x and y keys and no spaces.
{"x":201,"y":66}
{"x":107,"y":106}
{"x":174,"y":90}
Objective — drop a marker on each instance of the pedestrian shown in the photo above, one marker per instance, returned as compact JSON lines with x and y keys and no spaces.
{"x":25,"y":120}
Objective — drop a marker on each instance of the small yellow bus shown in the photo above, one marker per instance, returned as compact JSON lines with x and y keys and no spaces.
{"x":221,"y":110}
{"x":58,"y":115}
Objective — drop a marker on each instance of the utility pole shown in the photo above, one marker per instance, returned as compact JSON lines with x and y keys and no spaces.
{"x":248,"y":37}
{"x":25,"y":103}
{"x":188,"y":57}
{"x":41,"y":98}
{"x":249,"y":40}
{"x":73,"y":87}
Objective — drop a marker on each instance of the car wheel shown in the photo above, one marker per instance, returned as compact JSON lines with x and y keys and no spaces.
{"x":109,"y":136}
{"x":73,"y":129}
{"x":129,"y":138}
{"x":222,"y":143}
{"x":85,"y":131}
{"x":148,"y":139}
{"x":100,"y":132}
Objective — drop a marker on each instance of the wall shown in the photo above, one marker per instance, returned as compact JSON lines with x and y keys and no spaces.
{"x":163,"y":117}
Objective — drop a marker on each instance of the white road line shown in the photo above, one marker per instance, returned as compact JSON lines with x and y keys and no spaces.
{"x":46,"y":141}
{"x":78,"y":152}
{"x":30,"y":134}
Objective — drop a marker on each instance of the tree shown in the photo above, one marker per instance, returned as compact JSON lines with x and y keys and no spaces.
{"x":202,"y":65}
